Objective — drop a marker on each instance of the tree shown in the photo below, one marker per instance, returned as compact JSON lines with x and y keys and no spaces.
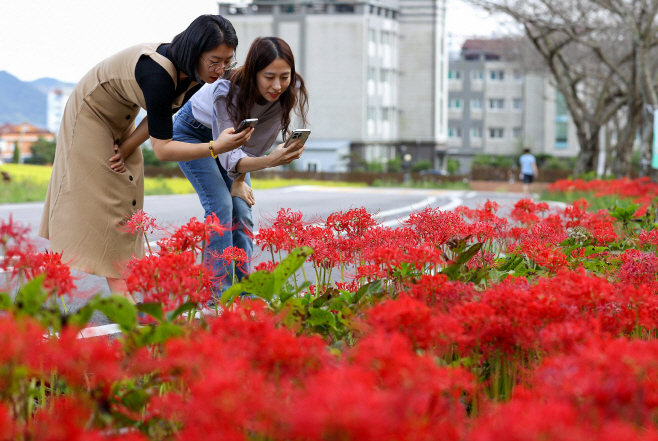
{"x":43,"y":152}
{"x":16,"y":158}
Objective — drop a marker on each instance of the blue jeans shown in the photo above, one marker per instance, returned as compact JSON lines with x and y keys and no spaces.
{"x":213,"y":186}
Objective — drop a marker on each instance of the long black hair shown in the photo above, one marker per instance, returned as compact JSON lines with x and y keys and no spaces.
{"x":204,"y":34}
{"x":263,"y":51}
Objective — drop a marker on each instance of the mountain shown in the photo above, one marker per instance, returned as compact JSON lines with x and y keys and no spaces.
{"x":22,"y":101}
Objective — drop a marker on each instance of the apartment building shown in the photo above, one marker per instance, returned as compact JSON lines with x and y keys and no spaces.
{"x":496,"y":107}
{"x":375,"y":71}
{"x":57,"y":98}
{"x":423,"y":86}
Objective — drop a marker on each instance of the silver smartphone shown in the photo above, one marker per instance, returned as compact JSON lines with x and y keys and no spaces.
{"x":251,"y":122}
{"x":298,"y":134}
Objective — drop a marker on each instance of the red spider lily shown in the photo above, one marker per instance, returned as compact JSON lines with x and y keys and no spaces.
{"x":541,"y":420}
{"x":193,"y":235}
{"x":648,"y":238}
{"x":234,"y":255}
{"x":438,"y":292}
{"x":58,"y":280}
{"x":283,"y":233}
{"x":526,"y":211}
{"x":85,"y":363}
{"x":606,"y":379}
{"x":435,"y":226}
{"x":266,"y":266}
{"x":393,"y":394}
{"x":169,"y":278}
{"x":425,"y":329}
{"x":21,"y":343}
{"x":354,"y":223}
{"x":325,"y":253}
{"x":140,"y":223}
{"x":639,"y":268}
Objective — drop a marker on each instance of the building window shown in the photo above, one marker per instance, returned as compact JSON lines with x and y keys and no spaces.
{"x":372,"y":36}
{"x":518,"y":103}
{"x":372,"y":113}
{"x":476,"y":104}
{"x":496,"y":103}
{"x":386,"y":38}
{"x":372,"y":74}
{"x":312,"y":166}
{"x":386,"y":114}
{"x":477,"y":75}
{"x":454,"y":74}
{"x":518,"y":76}
{"x":454,"y":132}
{"x":476,"y":132}
{"x":496,"y":75}
{"x":384,"y":75}
{"x":496,"y":133}
{"x":518,"y":132}
{"x":455,"y":103}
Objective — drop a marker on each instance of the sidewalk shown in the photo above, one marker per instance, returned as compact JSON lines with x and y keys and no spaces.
{"x":506,"y":187}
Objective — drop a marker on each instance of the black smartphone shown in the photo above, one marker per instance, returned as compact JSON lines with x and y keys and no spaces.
{"x":298,"y":134}
{"x":251,"y":122}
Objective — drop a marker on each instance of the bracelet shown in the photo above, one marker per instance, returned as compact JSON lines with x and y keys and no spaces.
{"x":212,"y":153}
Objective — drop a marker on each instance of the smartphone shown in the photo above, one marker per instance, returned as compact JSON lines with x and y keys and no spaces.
{"x":298,"y":134}
{"x":251,"y":122}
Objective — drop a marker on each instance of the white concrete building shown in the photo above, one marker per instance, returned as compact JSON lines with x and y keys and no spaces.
{"x":57,"y":98}
{"x":495,"y":107}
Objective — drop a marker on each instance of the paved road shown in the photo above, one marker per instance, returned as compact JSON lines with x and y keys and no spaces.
{"x":391,"y":204}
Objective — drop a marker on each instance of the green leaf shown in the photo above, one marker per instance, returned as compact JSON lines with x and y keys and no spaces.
{"x":119,"y":310}
{"x":452,"y":270}
{"x":321,"y":317}
{"x":231,"y":293}
{"x":182,"y":309}
{"x":289,"y":265}
{"x":135,"y":399}
{"x":30,"y":298}
{"x":260,"y":284}
{"x":159,"y":333}
{"x":594,"y":250}
{"x":153,"y":309}
{"x":285,"y":296}
{"x":51,"y":319}
{"x":81,"y":317}
{"x":5,"y":301}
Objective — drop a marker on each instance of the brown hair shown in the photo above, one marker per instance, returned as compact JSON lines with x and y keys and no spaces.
{"x":262,"y":53}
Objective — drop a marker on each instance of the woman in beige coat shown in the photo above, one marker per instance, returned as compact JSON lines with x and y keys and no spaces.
{"x":97,"y":180}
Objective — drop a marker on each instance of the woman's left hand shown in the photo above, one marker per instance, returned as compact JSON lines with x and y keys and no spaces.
{"x":118,"y":159}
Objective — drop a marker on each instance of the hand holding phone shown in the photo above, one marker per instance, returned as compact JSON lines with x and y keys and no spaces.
{"x":250,"y":122}
{"x":300,"y":135}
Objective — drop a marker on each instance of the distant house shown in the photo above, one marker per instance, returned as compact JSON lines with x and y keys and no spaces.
{"x":23,"y":135}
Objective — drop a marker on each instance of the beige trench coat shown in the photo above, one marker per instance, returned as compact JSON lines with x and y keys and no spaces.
{"x":87,"y":202}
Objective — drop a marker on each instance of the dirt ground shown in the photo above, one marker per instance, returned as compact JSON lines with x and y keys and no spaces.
{"x":506,"y":187}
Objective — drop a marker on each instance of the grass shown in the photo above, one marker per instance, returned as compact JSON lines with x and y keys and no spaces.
{"x":424,"y":184}
{"x":29,"y":183}
{"x":596,"y":202}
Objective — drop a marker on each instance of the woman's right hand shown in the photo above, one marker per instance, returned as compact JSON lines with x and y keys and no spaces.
{"x":229,"y":140}
{"x":242,"y":190}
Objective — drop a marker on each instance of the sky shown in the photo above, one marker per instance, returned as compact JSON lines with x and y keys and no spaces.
{"x":63,"y":39}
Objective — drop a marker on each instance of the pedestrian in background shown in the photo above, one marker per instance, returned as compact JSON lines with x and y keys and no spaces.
{"x":529,"y":171}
